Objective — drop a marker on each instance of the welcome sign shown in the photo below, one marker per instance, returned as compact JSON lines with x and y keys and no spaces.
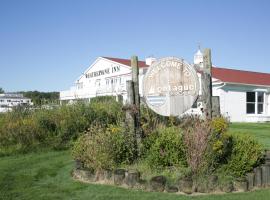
{"x":170,"y":86}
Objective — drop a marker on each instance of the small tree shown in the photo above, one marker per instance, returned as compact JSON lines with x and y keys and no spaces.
{"x":1,"y":91}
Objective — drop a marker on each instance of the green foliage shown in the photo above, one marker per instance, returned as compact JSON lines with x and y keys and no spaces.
{"x":105,"y":112}
{"x":246,"y":153}
{"x":219,"y":125}
{"x":150,"y":120}
{"x":123,"y":149}
{"x":106,"y":99}
{"x":40,"y":98}
{"x":1,"y":90}
{"x":104,"y":148}
{"x":93,"y":148}
{"x":166,"y":148}
{"x":25,"y":129}
{"x":219,"y":145}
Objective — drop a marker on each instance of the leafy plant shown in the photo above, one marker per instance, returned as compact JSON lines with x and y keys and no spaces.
{"x":245,"y":155}
{"x":166,"y":148}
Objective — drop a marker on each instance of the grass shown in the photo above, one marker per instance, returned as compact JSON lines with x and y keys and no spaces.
{"x":261,"y":131}
{"x":46,"y":175}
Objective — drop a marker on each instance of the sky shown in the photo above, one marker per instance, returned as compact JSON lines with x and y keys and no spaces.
{"x":46,"y":45}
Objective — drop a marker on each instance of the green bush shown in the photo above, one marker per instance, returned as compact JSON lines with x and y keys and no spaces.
{"x":104,"y":148}
{"x":219,"y":125}
{"x":166,"y":148}
{"x":219,"y":145}
{"x":123,"y":149}
{"x":93,"y":149}
{"x":246,"y":153}
{"x":57,"y":128}
{"x":105,"y":112}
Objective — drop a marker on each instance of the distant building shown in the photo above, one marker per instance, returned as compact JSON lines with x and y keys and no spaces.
{"x":244,"y":95}
{"x":11,"y":100}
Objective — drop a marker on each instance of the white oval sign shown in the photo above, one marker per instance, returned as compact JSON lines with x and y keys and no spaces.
{"x":170,"y":86}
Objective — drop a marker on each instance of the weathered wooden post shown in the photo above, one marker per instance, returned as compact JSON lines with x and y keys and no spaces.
{"x":130,"y":102}
{"x":207,"y":84}
{"x":215,"y":106}
{"x":135,"y":80}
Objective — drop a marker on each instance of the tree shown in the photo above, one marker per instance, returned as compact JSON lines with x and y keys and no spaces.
{"x":1,"y":90}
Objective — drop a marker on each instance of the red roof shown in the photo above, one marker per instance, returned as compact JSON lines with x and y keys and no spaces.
{"x":223,"y":74}
{"x":239,"y":76}
{"x":126,"y":61}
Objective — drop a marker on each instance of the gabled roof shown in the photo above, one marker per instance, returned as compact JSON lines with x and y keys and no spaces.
{"x":126,"y":61}
{"x":223,"y":74}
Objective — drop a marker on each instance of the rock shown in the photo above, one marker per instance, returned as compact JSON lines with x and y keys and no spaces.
{"x":157,"y":183}
{"x":258,"y":177}
{"x":108,"y":174}
{"x":119,"y":176}
{"x":212,"y":182}
{"x":185,"y":185}
{"x":132,"y":178}
{"x":104,"y":175}
{"x":78,"y":164}
{"x":171,"y":189}
{"x":202,"y":188}
{"x":241,"y":185}
{"x":250,"y":180}
{"x":228,"y":187}
{"x":84,"y":175}
{"x":142,"y":185}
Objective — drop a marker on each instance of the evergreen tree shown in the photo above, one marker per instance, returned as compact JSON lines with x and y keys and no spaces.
{"x":1,"y":91}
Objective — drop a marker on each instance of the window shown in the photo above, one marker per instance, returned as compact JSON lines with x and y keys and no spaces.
{"x":107,"y":81}
{"x":250,"y":102}
{"x":255,"y":102}
{"x":260,"y":100}
{"x":98,"y":82}
{"x":79,"y":85}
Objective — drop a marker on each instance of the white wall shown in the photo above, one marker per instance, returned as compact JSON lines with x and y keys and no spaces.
{"x":88,"y":88}
{"x":233,"y":103}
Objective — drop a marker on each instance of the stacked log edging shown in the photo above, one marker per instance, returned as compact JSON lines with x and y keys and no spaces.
{"x":258,"y":178}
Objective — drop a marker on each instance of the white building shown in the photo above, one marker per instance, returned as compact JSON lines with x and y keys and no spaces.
{"x":11,"y":100}
{"x":244,"y":95}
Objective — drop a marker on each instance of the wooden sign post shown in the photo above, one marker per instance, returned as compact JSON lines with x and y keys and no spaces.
{"x":133,"y":100}
{"x":206,"y":82}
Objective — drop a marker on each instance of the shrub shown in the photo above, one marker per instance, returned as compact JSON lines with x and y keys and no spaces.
{"x":150,"y":120}
{"x":219,"y":145}
{"x":165,"y":148}
{"x":219,"y":125}
{"x":104,"y":148}
{"x":55,"y":128}
{"x":197,"y":134}
{"x":123,"y":149}
{"x":105,"y":112}
{"x":245,"y":155}
{"x":20,"y":135}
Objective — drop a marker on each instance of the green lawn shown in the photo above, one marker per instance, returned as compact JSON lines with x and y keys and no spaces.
{"x":261,"y":131}
{"x":46,"y":175}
